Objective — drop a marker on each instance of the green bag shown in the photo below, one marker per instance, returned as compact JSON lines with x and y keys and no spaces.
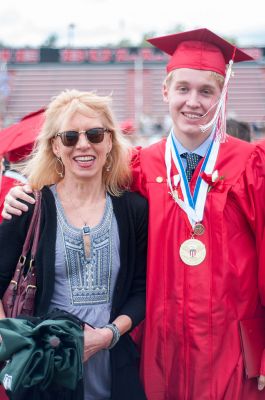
{"x":50,"y":352}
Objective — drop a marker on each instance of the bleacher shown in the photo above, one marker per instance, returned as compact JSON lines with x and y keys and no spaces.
{"x":33,"y":86}
{"x":246,"y":99}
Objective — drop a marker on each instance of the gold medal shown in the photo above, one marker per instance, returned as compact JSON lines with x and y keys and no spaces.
{"x":192,"y":252}
{"x":198,"y":229}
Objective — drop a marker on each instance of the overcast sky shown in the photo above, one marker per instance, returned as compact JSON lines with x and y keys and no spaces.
{"x":97,"y":22}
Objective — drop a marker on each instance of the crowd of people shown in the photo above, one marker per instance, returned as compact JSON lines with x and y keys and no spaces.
{"x":181,"y":293}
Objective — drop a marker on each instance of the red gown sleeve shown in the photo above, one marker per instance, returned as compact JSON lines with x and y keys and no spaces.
{"x":139,"y":180}
{"x":259,"y":190}
{"x":6,"y":185}
{"x":250,"y":194}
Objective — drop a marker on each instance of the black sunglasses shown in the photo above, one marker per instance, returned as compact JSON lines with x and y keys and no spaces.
{"x":94,"y":135}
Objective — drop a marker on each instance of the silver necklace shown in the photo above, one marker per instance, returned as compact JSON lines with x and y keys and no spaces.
{"x":86,"y":231}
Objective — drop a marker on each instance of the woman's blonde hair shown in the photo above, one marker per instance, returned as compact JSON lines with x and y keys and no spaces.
{"x":41,"y":167}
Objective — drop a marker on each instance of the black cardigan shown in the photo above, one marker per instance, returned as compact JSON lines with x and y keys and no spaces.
{"x":130,"y":210}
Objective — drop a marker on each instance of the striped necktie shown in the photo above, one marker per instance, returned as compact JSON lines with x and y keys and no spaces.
{"x":192,"y":162}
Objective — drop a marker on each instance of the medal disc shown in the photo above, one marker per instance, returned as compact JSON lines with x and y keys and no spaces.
{"x":192,"y":252}
{"x":199,"y":229}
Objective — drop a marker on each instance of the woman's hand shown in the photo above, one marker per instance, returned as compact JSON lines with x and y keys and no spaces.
{"x":2,"y":312}
{"x":261,"y":382}
{"x":12,"y":205}
{"x":96,"y":339}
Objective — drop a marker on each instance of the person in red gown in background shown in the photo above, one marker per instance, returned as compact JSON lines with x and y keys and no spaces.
{"x":11,"y":177}
{"x":205,"y":191}
{"x":5,"y":186}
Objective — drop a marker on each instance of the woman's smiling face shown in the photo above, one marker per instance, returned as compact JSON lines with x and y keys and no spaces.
{"x":85,"y":160}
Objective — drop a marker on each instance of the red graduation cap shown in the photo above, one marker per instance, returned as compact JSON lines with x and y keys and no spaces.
{"x":20,"y":153}
{"x":17,"y":140}
{"x":199,"y":49}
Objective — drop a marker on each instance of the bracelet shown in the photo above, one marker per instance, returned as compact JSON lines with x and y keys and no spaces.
{"x":116,"y":334}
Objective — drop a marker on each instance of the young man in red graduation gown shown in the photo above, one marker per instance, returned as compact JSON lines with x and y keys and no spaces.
{"x":205,"y":229}
{"x":204,"y":235}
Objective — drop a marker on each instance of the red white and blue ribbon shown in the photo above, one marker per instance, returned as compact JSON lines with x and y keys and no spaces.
{"x":192,"y":205}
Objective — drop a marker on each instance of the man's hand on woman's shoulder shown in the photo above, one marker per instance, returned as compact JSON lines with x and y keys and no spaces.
{"x":13,"y":205}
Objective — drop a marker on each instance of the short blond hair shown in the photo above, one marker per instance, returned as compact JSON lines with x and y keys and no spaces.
{"x":219,"y":78}
{"x":41,"y":167}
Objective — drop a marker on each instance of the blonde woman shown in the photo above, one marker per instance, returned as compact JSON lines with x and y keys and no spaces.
{"x":92,"y":250}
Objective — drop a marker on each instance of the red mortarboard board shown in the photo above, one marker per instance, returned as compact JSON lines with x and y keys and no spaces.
{"x":20,"y":153}
{"x":199,"y":49}
{"x":17,"y":140}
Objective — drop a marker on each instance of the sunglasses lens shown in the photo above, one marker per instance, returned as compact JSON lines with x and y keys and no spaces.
{"x":70,"y":138}
{"x":95,"y":135}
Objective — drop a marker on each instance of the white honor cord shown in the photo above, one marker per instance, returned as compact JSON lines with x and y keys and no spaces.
{"x":203,"y":189}
{"x":194,"y":205}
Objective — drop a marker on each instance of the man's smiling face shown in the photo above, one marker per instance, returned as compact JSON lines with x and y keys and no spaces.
{"x":190,"y":94}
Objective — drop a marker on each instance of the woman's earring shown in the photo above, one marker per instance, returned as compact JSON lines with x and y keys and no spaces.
{"x":109,"y":162}
{"x":59,"y":167}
